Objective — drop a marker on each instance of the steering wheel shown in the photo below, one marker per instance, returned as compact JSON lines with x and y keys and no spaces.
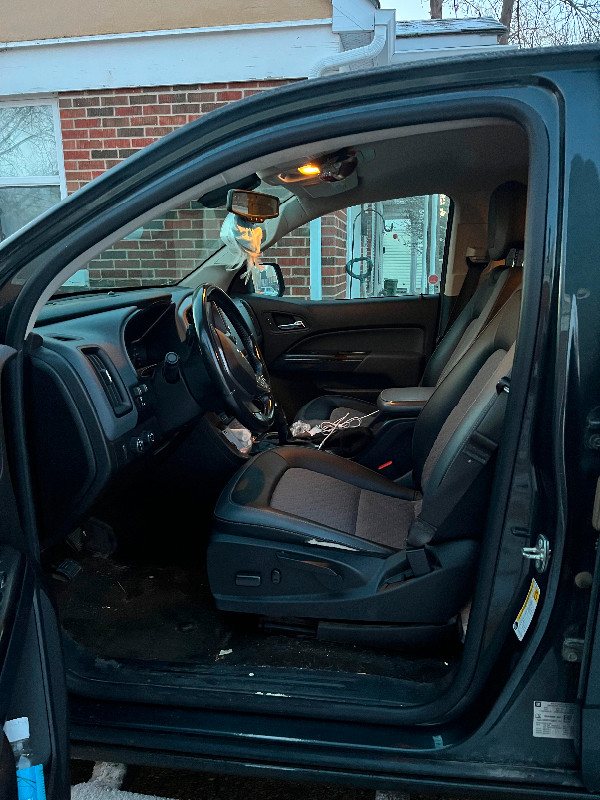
{"x":232,"y":358}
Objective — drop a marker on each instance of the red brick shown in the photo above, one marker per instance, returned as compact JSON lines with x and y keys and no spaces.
{"x":104,"y":154}
{"x":100,"y":112}
{"x":72,"y":113}
{"x":86,"y":123}
{"x":143,"y":121}
{"x":114,"y":100}
{"x":186,"y":108}
{"x":156,"y":109}
{"x":142,"y":99}
{"x":229,"y":95}
{"x":77,"y":154}
{"x":128,"y":132}
{"x":93,"y":165}
{"x":127,"y":111}
{"x":201,"y":97}
{"x":86,"y":102}
{"x":142,"y":142}
{"x":67,"y":123}
{"x":71,"y":134}
{"x":175,"y":120}
{"x":165,"y":98}
{"x":113,"y":142}
{"x":157,"y":131}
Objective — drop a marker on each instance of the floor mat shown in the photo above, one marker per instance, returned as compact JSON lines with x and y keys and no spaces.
{"x":167,"y":614}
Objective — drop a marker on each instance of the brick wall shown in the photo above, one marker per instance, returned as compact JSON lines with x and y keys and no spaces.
{"x":292,"y":253}
{"x":333,"y":255}
{"x":101,"y":128}
{"x":165,"y":250}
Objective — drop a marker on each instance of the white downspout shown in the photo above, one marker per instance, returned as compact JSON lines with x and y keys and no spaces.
{"x":370,"y":50}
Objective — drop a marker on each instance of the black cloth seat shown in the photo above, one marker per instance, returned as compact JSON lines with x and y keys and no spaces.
{"x":506,"y":232}
{"x":301,"y":532}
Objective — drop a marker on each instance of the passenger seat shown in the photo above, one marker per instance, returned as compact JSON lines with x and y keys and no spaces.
{"x":506,"y":233}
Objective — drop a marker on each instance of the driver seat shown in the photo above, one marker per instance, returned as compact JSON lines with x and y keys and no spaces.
{"x":299,"y":532}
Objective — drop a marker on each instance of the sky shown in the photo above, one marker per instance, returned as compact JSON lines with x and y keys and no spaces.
{"x":408,"y":9}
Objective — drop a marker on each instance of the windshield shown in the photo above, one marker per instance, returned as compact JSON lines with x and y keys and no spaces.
{"x":162,"y":252}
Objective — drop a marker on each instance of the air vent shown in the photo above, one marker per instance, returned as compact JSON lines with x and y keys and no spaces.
{"x":110,"y":380}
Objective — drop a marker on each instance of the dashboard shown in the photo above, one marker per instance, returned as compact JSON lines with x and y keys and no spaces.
{"x":98,"y":399}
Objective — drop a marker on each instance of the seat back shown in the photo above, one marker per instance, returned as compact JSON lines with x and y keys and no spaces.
{"x":506,"y":231}
{"x":463,"y":401}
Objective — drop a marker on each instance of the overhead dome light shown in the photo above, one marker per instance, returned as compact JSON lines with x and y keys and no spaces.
{"x":309,"y":169}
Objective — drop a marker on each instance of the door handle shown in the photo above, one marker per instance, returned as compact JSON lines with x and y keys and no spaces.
{"x":298,"y":324}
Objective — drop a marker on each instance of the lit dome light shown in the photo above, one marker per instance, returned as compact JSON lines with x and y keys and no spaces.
{"x":309,"y":169}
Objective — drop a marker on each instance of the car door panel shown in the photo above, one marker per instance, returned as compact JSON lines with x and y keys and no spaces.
{"x":358,"y":346}
{"x":32,"y":681}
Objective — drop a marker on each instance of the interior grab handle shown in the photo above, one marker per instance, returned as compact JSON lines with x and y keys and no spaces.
{"x":291,"y":326}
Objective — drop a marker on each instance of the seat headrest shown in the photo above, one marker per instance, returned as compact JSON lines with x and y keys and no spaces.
{"x":506,"y":219}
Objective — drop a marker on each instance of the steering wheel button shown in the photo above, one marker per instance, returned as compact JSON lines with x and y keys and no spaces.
{"x":276,"y":576}
{"x":247,"y":579}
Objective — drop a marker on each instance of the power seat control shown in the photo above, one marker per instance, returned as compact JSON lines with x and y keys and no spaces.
{"x":136,"y":445}
{"x":139,"y":394}
{"x":149,"y":438}
{"x":141,"y":443}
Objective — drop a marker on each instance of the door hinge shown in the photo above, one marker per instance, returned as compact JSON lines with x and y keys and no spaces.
{"x":540,"y":554}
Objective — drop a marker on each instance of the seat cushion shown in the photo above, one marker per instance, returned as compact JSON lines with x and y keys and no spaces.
{"x":332,"y":407}
{"x":345,"y":507}
{"x":298,"y":493}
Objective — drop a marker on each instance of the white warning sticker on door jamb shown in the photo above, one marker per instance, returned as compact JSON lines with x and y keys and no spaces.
{"x":525,"y":615}
{"x":554,"y":720}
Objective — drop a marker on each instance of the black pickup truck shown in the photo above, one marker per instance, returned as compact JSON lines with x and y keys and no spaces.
{"x":399,"y":590}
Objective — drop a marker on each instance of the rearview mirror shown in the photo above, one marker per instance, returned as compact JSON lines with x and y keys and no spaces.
{"x":253,"y":206}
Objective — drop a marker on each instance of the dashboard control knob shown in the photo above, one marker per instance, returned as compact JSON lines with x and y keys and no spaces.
{"x":149,"y":438}
{"x":137,"y":445}
{"x":171,"y":368}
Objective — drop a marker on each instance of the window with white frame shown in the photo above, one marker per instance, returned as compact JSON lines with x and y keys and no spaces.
{"x":31,"y":171}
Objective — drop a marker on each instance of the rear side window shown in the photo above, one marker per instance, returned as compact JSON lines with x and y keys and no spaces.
{"x":386,"y":249}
